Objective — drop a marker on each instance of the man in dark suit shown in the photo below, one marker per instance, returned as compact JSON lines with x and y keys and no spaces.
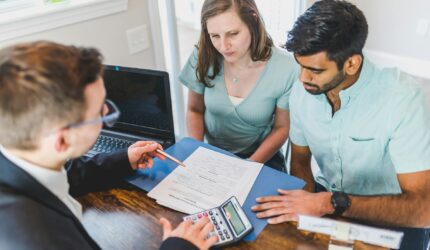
{"x":52,"y":106}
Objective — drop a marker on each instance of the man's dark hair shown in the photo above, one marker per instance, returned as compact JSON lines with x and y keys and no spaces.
{"x":336,"y":27}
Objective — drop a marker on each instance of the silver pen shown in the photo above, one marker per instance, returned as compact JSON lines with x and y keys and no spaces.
{"x":170,"y":157}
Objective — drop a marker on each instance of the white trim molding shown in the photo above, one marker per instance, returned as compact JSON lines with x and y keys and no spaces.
{"x":157,"y":37}
{"x":45,"y":17}
{"x":170,"y":44}
{"x":410,"y":65}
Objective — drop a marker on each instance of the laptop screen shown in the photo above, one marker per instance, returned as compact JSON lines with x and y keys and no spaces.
{"x":143,"y":97}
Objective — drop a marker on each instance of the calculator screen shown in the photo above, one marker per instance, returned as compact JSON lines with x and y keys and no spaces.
{"x":234,"y":218}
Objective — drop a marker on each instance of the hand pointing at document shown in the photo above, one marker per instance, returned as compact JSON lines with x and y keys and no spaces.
{"x":140,"y":154}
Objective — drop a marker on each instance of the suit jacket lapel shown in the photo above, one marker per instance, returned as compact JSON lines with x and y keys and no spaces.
{"x":16,"y":178}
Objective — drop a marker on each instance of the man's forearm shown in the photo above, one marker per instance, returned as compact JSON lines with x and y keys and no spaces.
{"x":304,"y":171}
{"x":408,"y":209}
{"x":99,"y":172}
{"x":301,"y":165}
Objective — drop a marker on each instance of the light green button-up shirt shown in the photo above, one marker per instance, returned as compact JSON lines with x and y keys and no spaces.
{"x":382,"y":129}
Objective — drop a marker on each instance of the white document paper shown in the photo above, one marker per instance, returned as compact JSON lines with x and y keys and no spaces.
{"x":208,"y":179}
{"x":376,"y":236}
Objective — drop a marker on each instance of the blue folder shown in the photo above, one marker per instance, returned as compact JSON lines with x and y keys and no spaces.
{"x":267,"y":182}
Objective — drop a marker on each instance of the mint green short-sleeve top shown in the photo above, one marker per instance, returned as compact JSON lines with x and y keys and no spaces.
{"x":382,"y":129}
{"x":242,"y":128}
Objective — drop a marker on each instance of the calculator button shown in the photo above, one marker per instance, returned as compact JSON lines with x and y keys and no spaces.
{"x":222,"y":238}
{"x":199,"y":216}
{"x":217,"y":227}
{"x":212,"y":218}
{"x":225,"y":231}
{"x":210,"y":212}
{"x":205,"y":214}
{"x":215,"y":223}
{"x":227,"y":236}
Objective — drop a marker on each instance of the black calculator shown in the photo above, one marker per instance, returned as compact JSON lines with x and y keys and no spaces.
{"x":230,"y":221}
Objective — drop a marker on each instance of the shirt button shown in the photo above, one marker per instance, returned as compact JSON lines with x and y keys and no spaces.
{"x":333,"y":185}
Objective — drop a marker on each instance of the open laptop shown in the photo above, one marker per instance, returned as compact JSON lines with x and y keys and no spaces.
{"x":143,"y":97}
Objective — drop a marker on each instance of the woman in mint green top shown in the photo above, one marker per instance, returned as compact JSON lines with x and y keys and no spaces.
{"x":239,"y":84}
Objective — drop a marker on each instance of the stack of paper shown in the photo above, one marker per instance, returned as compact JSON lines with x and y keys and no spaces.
{"x":208,"y":179}
{"x":346,"y":231}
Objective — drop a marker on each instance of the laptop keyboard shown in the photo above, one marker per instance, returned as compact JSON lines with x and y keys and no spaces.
{"x":106,"y":144}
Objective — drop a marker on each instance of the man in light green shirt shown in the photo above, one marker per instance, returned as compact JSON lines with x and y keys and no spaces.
{"x":368,"y":129}
{"x":378,"y":132}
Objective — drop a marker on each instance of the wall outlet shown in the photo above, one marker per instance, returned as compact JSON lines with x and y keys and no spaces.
{"x":422,"y":27}
{"x":138,"y":39}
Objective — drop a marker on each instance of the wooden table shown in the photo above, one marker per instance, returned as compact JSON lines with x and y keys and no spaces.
{"x":125,"y":218}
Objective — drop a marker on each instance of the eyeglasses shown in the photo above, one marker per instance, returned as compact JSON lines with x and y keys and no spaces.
{"x":108,"y":118}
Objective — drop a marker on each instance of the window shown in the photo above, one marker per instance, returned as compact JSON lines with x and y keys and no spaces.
{"x":13,"y":5}
{"x":23,"y":17}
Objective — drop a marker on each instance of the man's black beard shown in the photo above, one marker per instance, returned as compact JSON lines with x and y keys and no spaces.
{"x":336,"y":81}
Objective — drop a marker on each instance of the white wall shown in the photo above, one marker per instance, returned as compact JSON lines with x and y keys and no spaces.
{"x":393,"y":38}
{"x":106,"y":33}
{"x":393,"y":26}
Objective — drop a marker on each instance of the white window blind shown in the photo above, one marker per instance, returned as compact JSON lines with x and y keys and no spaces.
{"x":279,"y":16}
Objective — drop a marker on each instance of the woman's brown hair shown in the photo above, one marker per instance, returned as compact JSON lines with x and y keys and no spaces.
{"x":261,"y":43}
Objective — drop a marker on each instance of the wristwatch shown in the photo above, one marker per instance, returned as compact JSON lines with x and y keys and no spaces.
{"x":340,"y":202}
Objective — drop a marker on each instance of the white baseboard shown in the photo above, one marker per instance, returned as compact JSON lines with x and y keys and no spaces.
{"x":413,"y":66}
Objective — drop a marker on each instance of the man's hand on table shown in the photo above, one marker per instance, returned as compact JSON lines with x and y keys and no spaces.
{"x":194,"y":233}
{"x":289,"y":204}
